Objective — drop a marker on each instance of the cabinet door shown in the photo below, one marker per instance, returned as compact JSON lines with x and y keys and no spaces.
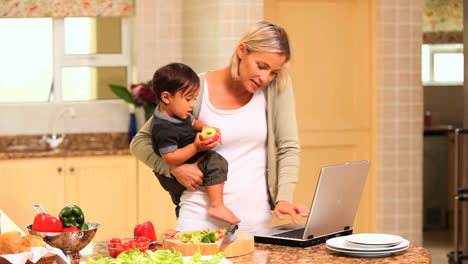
{"x":25,"y":182}
{"x":154,"y":203}
{"x":105,"y":189}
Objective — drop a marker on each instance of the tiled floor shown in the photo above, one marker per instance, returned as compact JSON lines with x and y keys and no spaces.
{"x":438,"y":243}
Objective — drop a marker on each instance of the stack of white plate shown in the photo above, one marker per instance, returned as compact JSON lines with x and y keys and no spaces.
{"x":368,"y":245}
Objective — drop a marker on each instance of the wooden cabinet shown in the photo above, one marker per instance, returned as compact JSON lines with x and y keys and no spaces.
{"x":104,"y":187}
{"x":335,"y":116}
{"x":154,"y":203}
{"x":25,"y":182}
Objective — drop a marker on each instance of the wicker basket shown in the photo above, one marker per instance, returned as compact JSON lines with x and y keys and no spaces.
{"x":49,"y":258}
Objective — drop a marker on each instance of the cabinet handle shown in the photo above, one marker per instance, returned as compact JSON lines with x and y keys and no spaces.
{"x":59,"y":169}
{"x":72,"y":169}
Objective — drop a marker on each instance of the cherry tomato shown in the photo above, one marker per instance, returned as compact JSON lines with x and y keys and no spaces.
{"x":142,"y":239}
{"x":132,"y":244}
{"x":118,"y":249}
{"x":116,"y":240}
{"x":142,"y":246}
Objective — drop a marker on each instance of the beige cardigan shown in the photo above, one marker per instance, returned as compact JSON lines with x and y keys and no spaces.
{"x":283,"y":143}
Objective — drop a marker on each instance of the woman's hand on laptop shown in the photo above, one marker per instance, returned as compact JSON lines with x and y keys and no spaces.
{"x":284,"y":207}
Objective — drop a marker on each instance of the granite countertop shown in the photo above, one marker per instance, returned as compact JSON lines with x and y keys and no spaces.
{"x":75,"y":145}
{"x":438,"y":130}
{"x":266,"y":253}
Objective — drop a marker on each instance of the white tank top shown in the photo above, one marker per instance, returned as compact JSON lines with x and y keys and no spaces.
{"x":244,"y":134}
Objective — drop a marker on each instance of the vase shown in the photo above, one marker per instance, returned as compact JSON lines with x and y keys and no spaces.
{"x":140,"y":117}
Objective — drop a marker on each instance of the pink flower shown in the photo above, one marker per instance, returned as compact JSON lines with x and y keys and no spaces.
{"x":142,"y":93}
{"x":137,"y":93}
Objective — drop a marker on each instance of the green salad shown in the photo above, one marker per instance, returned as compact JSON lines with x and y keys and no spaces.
{"x":204,"y":236}
{"x":155,"y":257}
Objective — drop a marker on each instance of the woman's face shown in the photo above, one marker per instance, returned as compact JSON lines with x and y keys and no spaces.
{"x":258,"y":68}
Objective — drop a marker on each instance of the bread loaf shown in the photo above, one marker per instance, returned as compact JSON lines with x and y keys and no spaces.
{"x":12,"y":242}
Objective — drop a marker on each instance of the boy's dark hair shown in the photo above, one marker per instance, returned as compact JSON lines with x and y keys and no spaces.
{"x":174,"y":77}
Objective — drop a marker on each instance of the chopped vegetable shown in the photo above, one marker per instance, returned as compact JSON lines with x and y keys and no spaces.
{"x":204,"y":236}
{"x":156,"y":257}
{"x":116,"y":246}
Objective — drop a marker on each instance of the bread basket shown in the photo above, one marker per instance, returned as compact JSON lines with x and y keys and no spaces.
{"x":48,"y":258}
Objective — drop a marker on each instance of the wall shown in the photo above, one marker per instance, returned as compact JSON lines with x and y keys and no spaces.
{"x":445,"y":104}
{"x":399,"y":117}
{"x":202,"y":34}
{"x":212,"y":28}
{"x":27,"y":119}
{"x":157,"y":36}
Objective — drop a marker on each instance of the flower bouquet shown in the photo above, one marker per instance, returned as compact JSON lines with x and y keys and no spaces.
{"x":140,"y":95}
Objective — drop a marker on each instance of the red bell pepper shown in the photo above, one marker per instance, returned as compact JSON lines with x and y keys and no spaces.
{"x":44,"y":222}
{"x":145,"y":229}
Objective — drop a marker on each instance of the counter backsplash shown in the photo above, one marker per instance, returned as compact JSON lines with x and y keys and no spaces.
{"x":79,"y":144}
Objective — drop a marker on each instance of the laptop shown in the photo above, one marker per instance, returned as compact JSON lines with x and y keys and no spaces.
{"x":336,"y":200}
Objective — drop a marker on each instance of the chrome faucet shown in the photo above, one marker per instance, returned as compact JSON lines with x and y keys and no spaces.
{"x":53,"y":141}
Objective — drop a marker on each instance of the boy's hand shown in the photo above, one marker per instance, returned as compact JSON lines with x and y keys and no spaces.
{"x":203,"y":145}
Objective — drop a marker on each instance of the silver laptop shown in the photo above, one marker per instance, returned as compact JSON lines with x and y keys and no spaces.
{"x":333,"y":209}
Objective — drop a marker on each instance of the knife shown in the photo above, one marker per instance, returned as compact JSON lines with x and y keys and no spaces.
{"x":230,"y":235}
{"x":164,"y":238}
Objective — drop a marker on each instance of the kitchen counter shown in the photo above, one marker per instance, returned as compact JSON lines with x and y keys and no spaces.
{"x":265,"y":253}
{"x":75,"y":145}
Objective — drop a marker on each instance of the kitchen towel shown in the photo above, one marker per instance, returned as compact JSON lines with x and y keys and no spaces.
{"x":7,"y":225}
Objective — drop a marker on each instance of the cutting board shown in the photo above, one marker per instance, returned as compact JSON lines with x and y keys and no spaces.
{"x":244,"y":244}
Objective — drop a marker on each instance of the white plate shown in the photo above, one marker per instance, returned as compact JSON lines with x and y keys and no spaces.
{"x":223,"y":261}
{"x":342,"y":244}
{"x":367,"y":254}
{"x":374,"y":239}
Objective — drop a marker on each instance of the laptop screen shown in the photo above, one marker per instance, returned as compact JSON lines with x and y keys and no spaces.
{"x":336,"y":200}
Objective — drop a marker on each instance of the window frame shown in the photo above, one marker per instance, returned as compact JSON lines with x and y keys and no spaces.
{"x":61,"y":59}
{"x":440,"y":49}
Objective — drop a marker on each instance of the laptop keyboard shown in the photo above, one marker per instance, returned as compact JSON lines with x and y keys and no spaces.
{"x":296,"y":233}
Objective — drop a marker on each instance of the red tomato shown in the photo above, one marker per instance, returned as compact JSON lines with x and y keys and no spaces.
{"x":142,"y":246}
{"x":112,"y":252}
{"x":115,"y":250}
{"x":141,"y":239}
{"x":131,"y":244}
{"x":116,"y":240}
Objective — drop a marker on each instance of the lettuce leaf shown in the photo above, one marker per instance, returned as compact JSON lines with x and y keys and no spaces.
{"x":155,"y":257}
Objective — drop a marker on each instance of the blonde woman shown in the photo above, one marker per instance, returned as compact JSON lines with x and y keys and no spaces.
{"x":252,"y":102}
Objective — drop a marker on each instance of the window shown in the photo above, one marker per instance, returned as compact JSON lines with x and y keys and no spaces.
{"x":60,"y":60}
{"x":442,"y":64}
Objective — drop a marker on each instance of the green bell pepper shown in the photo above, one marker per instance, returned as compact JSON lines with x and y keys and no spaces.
{"x":72,"y":215}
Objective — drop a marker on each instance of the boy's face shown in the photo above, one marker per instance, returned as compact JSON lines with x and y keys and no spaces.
{"x":181,"y":104}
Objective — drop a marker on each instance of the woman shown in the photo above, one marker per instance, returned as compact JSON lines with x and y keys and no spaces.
{"x":252,"y":103}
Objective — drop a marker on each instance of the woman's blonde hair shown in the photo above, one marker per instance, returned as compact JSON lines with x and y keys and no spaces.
{"x":268,"y":37}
